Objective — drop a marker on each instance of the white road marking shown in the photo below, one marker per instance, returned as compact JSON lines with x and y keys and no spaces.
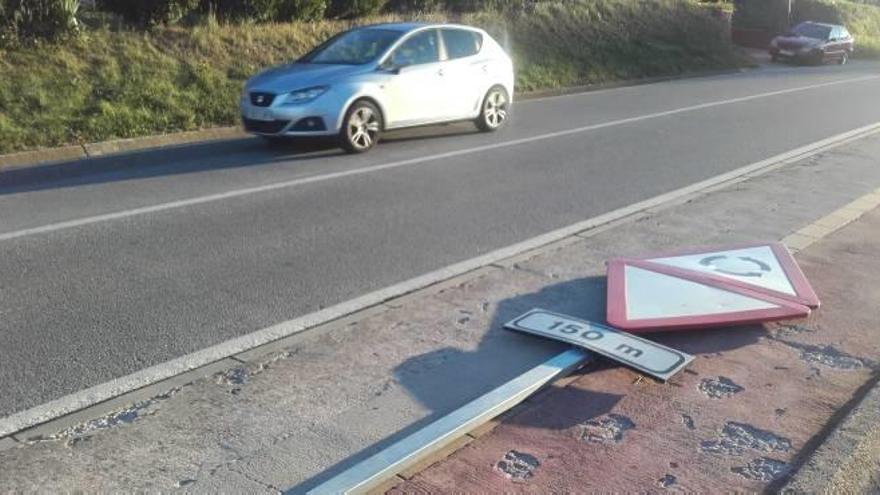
{"x":84,"y":398}
{"x":53,"y":227}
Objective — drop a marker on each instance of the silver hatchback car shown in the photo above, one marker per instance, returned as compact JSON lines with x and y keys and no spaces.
{"x":375,"y":78}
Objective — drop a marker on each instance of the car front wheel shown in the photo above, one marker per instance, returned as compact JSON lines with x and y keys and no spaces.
{"x":361,"y":127}
{"x":844,"y":58}
{"x":495,"y":110}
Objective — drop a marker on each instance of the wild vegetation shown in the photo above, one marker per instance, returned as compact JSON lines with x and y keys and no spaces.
{"x":116,"y":80}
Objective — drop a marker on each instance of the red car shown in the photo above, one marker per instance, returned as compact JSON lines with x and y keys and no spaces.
{"x":813,"y":42}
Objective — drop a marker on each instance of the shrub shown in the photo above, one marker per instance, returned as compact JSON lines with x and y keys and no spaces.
{"x":761,"y":14}
{"x":301,"y":10}
{"x":243,"y":10}
{"x":37,"y":18}
{"x":408,"y":6}
{"x":149,"y":12}
{"x":355,"y":8}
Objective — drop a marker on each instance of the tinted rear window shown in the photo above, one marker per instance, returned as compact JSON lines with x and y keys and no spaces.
{"x":461,"y":43}
{"x":813,"y":31}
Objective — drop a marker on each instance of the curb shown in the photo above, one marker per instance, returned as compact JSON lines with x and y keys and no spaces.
{"x":84,"y":152}
{"x":848,"y":459}
{"x":81,"y":152}
{"x":626,"y":83}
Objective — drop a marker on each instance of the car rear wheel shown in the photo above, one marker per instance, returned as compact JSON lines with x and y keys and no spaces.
{"x":844,"y":58}
{"x":361,"y":127}
{"x":495,"y":110}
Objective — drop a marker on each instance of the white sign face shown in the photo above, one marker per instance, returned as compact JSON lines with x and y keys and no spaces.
{"x":643,"y":355}
{"x":652,"y":295}
{"x":754,"y":265}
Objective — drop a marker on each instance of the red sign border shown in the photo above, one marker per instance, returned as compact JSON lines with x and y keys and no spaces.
{"x":617,"y":309}
{"x":804,"y":293}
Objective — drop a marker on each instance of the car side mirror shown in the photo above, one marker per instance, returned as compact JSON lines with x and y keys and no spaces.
{"x":390,"y":66}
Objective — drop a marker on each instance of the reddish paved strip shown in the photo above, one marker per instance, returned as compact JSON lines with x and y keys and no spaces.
{"x":753,"y":405}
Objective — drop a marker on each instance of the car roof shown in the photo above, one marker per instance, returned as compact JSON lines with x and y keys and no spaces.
{"x":410,"y":26}
{"x":824,"y":24}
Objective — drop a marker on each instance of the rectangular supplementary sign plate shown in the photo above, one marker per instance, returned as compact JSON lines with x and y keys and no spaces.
{"x":643,"y":355}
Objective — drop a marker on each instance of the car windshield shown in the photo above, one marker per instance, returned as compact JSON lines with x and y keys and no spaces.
{"x":813,"y":31}
{"x":356,"y":47}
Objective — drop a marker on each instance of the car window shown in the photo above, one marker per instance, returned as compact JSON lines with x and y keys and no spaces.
{"x":461,"y":43}
{"x":422,"y":48}
{"x":815,"y":31}
{"x":353,"y":47}
{"x":835,"y":33}
{"x":844,"y":33}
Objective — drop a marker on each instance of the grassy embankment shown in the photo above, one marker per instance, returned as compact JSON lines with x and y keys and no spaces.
{"x":112,"y":84}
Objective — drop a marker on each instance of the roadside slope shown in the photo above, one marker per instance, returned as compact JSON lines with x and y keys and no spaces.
{"x":119,"y":84}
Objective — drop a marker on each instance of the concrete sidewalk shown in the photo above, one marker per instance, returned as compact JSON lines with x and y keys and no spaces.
{"x":297,"y":411}
{"x":744,"y":417}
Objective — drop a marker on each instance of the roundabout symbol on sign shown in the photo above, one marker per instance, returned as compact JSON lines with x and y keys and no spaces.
{"x":740,"y":266}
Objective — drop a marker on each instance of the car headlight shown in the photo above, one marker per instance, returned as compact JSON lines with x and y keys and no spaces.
{"x":304,"y":95}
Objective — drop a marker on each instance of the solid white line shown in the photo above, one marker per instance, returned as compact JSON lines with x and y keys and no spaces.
{"x":402,"y":163}
{"x":114,"y":388}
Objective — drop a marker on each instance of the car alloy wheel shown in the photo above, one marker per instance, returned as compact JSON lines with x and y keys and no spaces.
{"x":844,"y":58}
{"x":362,"y":127}
{"x":495,"y":110}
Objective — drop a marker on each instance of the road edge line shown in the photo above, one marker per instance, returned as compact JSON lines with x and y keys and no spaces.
{"x":55,"y":409}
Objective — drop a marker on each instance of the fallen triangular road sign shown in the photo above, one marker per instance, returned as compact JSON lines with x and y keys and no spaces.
{"x":768,"y":268}
{"x":649,"y":295}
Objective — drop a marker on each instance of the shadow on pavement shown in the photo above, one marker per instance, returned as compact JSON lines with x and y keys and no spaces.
{"x":197,"y":157}
{"x":448,"y":378}
{"x":175,"y":160}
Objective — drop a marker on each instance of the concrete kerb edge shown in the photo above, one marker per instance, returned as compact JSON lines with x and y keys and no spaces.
{"x":131,"y":384}
{"x":88,"y":151}
{"x":834,"y":457}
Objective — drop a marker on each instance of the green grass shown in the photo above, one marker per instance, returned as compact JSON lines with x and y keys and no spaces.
{"x":116,"y":84}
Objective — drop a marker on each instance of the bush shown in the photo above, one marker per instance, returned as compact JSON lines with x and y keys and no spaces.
{"x":37,"y":18}
{"x":149,"y":12}
{"x":771,"y":15}
{"x":355,"y":8}
{"x":301,"y":10}
{"x":243,"y":10}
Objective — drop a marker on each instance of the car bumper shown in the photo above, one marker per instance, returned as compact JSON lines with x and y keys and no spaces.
{"x":794,"y":55}
{"x":311,"y":119}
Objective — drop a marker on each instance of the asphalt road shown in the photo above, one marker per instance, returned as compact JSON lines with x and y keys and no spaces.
{"x":150,"y":257}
